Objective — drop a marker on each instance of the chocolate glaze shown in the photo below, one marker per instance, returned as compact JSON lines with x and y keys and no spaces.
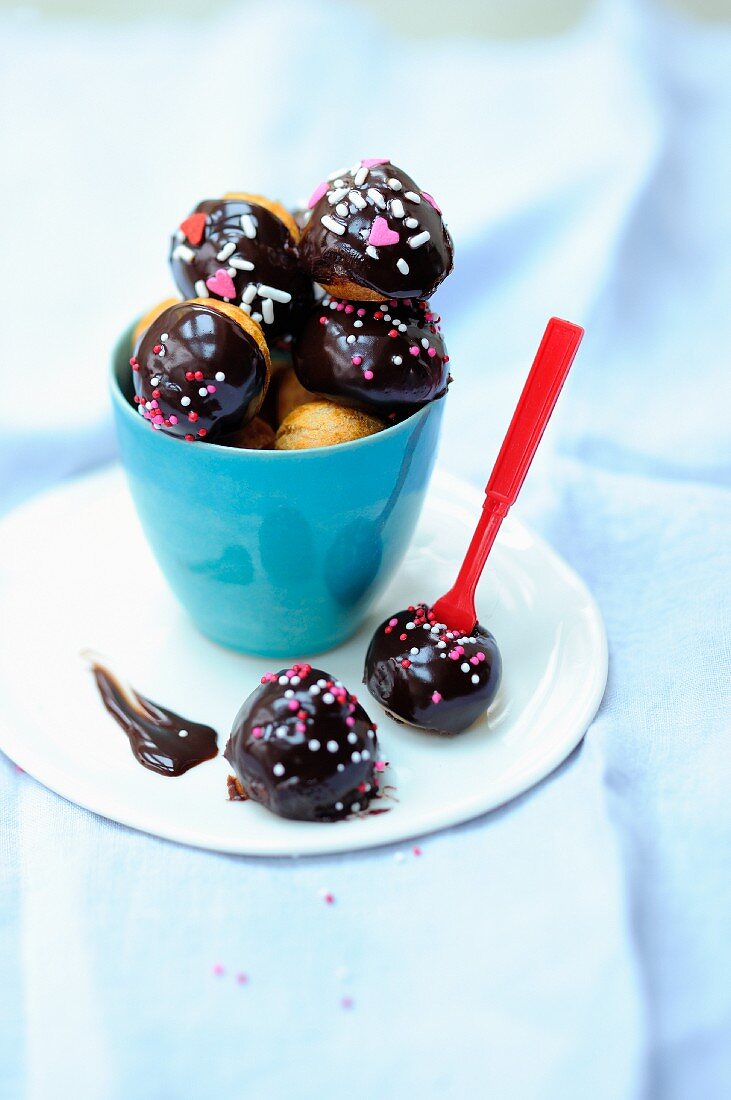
{"x":387,"y":202}
{"x":445,"y":685}
{"x":304,"y":747}
{"x":193,"y":346}
{"x":160,"y":739}
{"x":385,"y":357}
{"x":196,"y":258}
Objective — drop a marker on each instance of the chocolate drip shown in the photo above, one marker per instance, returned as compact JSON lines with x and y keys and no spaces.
{"x":160,"y":739}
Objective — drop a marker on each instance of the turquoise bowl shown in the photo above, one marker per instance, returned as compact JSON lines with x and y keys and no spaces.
{"x":277,"y":553}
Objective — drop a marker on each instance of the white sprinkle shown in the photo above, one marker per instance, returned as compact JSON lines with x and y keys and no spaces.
{"x":182,"y":252}
{"x":182,"y":733}
{"x":337,"y":195}
{"x":360,"y":176}
{"x":414,"y":649}
{"x":465,"y":667}
{"x":274,"y":293}
{"x":328,"y":697}
{"x":226,"y":251}
{"x":402,"y":328}
{"x":164,"y":336}
{"x":203,"y":392}
{"x":282,"y":731}
{"x":355,"y":807}
{"x":239,"y":264}
{"x":350,"y":340}
{"x":185,"y":401}
{"x":410,"y":223}
{"x":248,"y":225}
{"x":245,"y":307}
{"x":342,"y":209}
{"x":357,"y":324}
{"x":419,"y":239}
{"x":395,"y":185}
{"x":294,"y":680}
{"x":475,"y":679}
{"x":313,"y":745}
{"x":332,"y":746}
{"x":341,"y":767}
{"x":371,"y":251}
{"x":278,"y":769}
{"x":256,"y":317}
{"x":404,"y":269}
{"x":336,"y":175}
{"x":410,"y":626}
{"x":443,"y":656}
{"x":352,"y":738}
{"x":267,"y":311}
{"x":424,"y":342}
{"x":283,"y":680}
{"x":426,"y":626}
{"x":376,"y":197}
{"x":357,"y":200}
{"x":333,"y":305}
{"x":154,"y":381}
{"x":397,"y":208}
{"x":397,"y":360}
{"x":322,"y":683}
{"x":201,"y":289}
{"x":340,"y":182}
{"x":332,"y":225}
{"x":314,"y":690}
{"x":220,"y":376}
{"x":338,"y":805}
{"x":387,"y":317}
{"x":289,"y":694}
{"x":365,"y":755}
{"x":412,"y":197}
{"x":141,"y":410}
{"x":355,"y":757}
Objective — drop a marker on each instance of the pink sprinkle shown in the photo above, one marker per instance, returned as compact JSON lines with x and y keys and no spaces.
{"x":474,"y":660}
{"x":413,"y":350}
{"x":393,"y":622}
{"x":350,"y":721}
{"x":436,"y":697}
{"x":367,"y":374}
{"x":349,"y":309}
{"x":257,"y":732}
{"x":453,"y":655}
{"x":158,"y":419}
{"x":211,"y":389}
{"x":154,"y":404}
{"x":402,"y":637}
{"x":431,"y":352}
{"x":341,"y":307}
{"x":379,"y":766}
{"x":218,"y":970}
{"x":416,"y":850}
{"x":481,"y":656}
{"x":242,"y":978}
{"x":323,"y":320}
{"x":372,"y":162}
{"x":346,"y":1002}
{"x":301,"y":727}
{"x":357,"y":360}
{"x":173,"y":419}
{"x":317,"y":194}
{"x":361,"y":313}
{"x":293,"y":704}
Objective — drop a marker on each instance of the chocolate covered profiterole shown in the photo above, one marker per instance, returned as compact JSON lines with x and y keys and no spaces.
{"x":201,"y":370}
{"x":373,"y":234}
{"x":303,"y":746}
{"x":426,"y":675}
{"x":242,"y":249}
{"x":386,"y":357}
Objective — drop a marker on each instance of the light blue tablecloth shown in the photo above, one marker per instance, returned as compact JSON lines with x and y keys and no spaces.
{"x":576,"y":943}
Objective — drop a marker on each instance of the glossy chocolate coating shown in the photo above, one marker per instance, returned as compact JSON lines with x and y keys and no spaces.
{"x":304,"y":747}
{"x":372,"y":202}
{"x":385,"y":357}
{"x":191,"y":348}
{"x":445,"y":685}
{"x":203,"y":262}
{"x":160,"y":739}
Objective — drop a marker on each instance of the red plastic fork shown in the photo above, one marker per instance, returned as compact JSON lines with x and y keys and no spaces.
{"x":537,"y":401}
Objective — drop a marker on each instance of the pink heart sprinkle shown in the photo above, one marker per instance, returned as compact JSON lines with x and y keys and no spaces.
{"x":380,"y":233}
{"x":371,"y":162}
{"x":317,"y":194}
{"x":221,"y":283}
{"x":432,"y":201}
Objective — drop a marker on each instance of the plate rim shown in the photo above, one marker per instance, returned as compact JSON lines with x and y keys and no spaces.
{"x":21,"y":753}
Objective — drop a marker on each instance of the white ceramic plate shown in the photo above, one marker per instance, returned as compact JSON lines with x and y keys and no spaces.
{"x":76,"y":573}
